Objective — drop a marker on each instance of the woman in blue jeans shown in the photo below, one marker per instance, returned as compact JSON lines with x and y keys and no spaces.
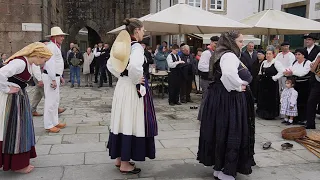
{"x":76,"y":60}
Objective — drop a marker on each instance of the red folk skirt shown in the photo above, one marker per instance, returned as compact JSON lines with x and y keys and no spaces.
{"x":16,"y":162}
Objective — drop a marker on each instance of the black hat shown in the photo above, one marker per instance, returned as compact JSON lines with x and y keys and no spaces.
{"x":286,"y":43}
{"x":100,"y":42}
{"x":312,"y":36}
{"x":261,"y":51}
{"x":302,"y":51}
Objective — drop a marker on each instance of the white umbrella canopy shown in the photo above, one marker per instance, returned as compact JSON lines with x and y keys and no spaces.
{"x":274,"y":22}
{"x":117,"y":30}
{"x":184,"y":19}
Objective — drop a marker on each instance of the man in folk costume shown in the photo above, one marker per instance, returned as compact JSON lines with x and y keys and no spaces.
{"x":313,"y":51}
{"x":175,"y":75}
{"x":39,"y":90}
{"x":286,"y":58}
{"x":52,"y":78}
{"x":203,"y":69}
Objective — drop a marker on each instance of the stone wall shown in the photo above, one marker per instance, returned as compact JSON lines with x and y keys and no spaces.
{"x":100,"y":15}
{"x":15,"y":12}
{"x":71,"y":15}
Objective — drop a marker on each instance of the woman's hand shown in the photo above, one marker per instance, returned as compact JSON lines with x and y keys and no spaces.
{"x":243,"y":87}
{"x":287,"y":73}
{"x":142,"y":80}
{"x":13,"y":90}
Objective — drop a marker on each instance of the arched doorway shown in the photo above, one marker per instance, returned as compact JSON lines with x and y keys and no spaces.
{"x":86,"y":37}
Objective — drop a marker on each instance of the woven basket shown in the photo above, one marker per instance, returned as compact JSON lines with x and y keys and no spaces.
{"x":294,"y":133}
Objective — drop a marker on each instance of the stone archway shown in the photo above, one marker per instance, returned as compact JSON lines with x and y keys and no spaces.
{"x":93,"y":32}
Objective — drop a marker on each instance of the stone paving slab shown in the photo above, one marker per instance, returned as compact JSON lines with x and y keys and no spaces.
{"x":278,"y":159}
{"x":58,"y":160}
{"x":98,"y":158}
{"x":175,"y":143}
{"x":174,"y":153}
{"x":80,"y":138}
{"x":103,"y":137}
{"x":186,"y":126}
{"x":94,"y":172}
{"x":43,"y":149}
{"x":178,"y":134}
{"x":79,"y":151}
{"x":49,"y":173}
{"x":93,"y":129}
{"x":78,"y":148}
{"x":50,"y":139}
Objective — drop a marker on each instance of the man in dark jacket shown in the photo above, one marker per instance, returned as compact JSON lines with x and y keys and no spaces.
{"x":105,"y":55}
{"x":147,"y":61}
{"x":186,"y":84}
{"x":249,"y":56}
{"x":313,"y":51}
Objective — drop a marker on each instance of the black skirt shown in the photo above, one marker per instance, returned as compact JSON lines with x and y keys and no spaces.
{"x":268,"y":98}
{"x":224,"y":133}
{"x":251,"y":121}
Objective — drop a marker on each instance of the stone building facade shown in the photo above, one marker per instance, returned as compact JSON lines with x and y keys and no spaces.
{"x":98,"y":16}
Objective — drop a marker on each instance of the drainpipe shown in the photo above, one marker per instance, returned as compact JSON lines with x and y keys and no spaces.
{"x":259,"y":5}
{"x":263,"y":4}
{"x":42,"y":19}
{"x":207,"y":5}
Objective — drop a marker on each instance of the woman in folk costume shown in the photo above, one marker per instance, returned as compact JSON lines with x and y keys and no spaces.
{"x":87,"y":60}
{"x":226,"y":123}
{"x":17,"y":138}
{"x":133,"y":121}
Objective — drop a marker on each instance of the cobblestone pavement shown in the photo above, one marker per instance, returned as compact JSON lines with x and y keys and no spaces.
{"x":79,"y":151}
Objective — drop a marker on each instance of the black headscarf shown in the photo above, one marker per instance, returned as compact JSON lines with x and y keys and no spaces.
{"x":226,"y":43}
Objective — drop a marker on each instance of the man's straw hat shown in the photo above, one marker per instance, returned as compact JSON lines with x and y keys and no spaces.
{"x":56,"y":31}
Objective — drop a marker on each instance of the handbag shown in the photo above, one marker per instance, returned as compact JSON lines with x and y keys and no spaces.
{"x":75,"y":61}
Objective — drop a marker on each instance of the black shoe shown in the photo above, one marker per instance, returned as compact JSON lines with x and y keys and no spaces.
{"x":99,"y":86}
{"x":301,"y":123}
{"x":110,"y":85}
{"x":171,"y":104}
{"x":72,"y":85}
{"x":190,"y":101}
{"x":134,"y":171}
{"x":178,"y":103}
{"x":284,"y":122}
{"x":95,"y":81}
{"x":310,"y":127}
{"x":289,"y":123}
{"x":183,"y":101}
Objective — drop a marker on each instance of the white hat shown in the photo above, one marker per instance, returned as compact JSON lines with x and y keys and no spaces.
{"x":120,"y":51}
{"x":56,"y":31}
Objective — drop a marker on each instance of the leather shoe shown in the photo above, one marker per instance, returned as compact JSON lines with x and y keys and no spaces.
{"x":310,"y":127}
{"x":36,"y":114}
{"x":61,"y":125}
{"x":61,"y":110}
{"x":53,"y":130}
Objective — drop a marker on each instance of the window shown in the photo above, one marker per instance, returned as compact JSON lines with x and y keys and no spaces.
{"x":217,"y":5}
{"x":195,"y":3}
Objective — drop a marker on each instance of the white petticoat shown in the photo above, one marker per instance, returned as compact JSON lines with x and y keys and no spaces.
{"x":127,"y":113}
